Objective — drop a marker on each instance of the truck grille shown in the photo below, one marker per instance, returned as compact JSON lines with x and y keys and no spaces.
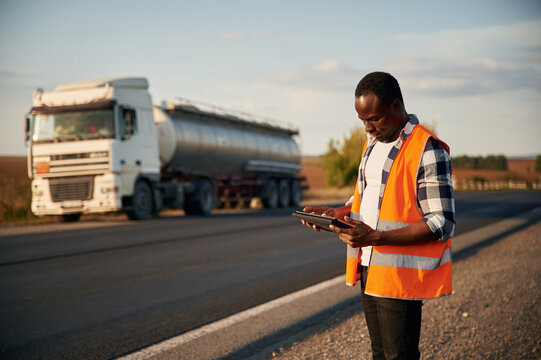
{"x":75,"y":162}
{"x":71,"y":188}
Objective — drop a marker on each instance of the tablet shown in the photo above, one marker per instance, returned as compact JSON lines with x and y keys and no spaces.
{"x":321,"y":221}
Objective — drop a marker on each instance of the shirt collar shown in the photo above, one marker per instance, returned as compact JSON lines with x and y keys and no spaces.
{"x":408,"y":128}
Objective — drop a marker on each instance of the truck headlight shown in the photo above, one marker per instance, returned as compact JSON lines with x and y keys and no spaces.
{"x":41,"y":167}
{"x":105,"y":190}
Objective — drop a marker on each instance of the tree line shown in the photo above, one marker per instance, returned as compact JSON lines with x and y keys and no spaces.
{"x":341,"y":161}
{"x":491,"y":162}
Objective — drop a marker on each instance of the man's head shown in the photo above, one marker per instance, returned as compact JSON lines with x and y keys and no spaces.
{"x":379,"y":104}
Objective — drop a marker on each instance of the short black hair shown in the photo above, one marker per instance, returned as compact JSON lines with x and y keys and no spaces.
{"x":381,"y":84}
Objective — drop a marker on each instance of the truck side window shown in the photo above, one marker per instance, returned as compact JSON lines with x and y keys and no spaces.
{"x":128,"y":123}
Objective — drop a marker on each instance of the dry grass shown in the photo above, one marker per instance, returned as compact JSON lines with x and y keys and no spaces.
{"x":315,"y":177}
{"x":518,"y":169}
{"x":15,"y":193}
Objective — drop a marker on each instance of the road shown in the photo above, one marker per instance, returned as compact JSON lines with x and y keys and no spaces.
{"x":100,"y":292}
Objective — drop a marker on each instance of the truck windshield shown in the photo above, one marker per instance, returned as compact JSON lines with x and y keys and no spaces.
{"x":73,"y":126}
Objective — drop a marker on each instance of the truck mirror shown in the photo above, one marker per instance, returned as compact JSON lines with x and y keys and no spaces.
{"x":27,"y":127}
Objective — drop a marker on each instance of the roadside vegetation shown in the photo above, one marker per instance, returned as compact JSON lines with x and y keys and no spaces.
{"x":15,"y":192}
{"x":493,"y":162}
{"x":470,"y":173}
{"x":341,"y":161}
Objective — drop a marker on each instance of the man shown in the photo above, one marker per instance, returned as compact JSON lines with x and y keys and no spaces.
{"x":403,"y":217}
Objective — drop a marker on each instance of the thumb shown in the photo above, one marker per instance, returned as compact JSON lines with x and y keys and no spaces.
{"x":351,"y":221}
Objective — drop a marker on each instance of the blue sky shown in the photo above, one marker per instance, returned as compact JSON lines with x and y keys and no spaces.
{"x":471,"y":68}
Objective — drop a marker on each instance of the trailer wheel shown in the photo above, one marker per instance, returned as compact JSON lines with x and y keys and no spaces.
{"x":71,"y":217}
{"x":296,"y":193}
{"x":141,"y":202}
{"x":270,"y":198}
{"x":202,"y":201}
{"x":283,"y":193}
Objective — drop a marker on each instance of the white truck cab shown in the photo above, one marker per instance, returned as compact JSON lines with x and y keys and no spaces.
{"x":93,"y":148}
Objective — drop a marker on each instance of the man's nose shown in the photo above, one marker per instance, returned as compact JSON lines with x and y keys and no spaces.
{"x":368,"y":126}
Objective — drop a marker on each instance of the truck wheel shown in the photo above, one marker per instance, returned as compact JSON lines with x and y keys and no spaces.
{"x":283,"y":194}
{"x":71,"y":217}
{"x":202,"y":201}
{"x":296,"y":193}
{"x":141,"y":202}
{"x":270,"y":195}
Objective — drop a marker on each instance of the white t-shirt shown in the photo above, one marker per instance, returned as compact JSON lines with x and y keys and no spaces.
{"x":369,"y":203}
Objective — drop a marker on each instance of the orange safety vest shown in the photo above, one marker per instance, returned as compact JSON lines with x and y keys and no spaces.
{"x":406,"y":271}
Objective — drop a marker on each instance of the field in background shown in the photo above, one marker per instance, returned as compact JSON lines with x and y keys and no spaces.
{"x":519,"y":170}
{"x":15,"y":193}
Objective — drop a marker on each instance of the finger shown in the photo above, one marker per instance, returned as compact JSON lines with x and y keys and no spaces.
{"x":336,"y":229}
{"x":345,"y":240}
{"x":351,"y":221}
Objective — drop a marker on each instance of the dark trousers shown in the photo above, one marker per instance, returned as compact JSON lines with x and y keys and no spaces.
{"x":394,"y":325}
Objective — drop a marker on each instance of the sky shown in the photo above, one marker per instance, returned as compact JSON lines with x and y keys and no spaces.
{"x":471,"y":69}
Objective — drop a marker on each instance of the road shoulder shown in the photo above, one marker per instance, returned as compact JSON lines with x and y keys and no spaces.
{"x":493,"y":314}
{"x":325,"y":321}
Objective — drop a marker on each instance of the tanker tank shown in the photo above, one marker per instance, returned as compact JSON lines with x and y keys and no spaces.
{"x":199,"y":142}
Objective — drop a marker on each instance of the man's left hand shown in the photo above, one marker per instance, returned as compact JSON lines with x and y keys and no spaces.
{"x":358,"y":236}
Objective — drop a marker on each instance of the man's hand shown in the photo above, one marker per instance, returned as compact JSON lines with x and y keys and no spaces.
{"x":338,"y":213}
{"x":318,"y":210}
{"x":363,"y":235}
{"x":358,"y":236}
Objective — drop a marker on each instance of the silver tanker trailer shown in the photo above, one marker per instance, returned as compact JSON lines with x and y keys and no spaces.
{"x":100,"y":146}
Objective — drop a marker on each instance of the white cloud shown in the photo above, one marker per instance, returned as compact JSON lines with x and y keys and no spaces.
{"x":245,"y":35}
{"x":16,"y":73}
{"x":329,"y":66}
{"x":449,"y":77}
{"x":503,"y":40}
{"x":471,"y":62}
{"x":328,"y":75}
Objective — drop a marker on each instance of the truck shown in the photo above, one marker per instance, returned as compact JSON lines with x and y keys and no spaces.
{"x":101,"y":146}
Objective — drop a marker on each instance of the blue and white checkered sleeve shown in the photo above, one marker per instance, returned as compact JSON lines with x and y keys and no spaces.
{"x":435,"y":190}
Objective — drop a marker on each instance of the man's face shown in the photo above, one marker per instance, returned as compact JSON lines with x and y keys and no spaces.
{"x":384,"y":122}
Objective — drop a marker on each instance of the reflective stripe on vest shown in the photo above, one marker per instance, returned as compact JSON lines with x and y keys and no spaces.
{"x":411,"y":261}
{"x":413,"y":271}
{"x":353,"y":259}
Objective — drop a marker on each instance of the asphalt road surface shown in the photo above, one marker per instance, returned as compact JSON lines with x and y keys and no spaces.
{"x":100,"y":292}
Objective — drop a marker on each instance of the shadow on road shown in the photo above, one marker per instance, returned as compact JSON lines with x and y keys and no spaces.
{"x":330,"y":317}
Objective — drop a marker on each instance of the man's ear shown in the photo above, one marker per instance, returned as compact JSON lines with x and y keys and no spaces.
{"x":397,"y":106}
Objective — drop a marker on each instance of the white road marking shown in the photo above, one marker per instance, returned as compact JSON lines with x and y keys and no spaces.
{"x":228,"y":321}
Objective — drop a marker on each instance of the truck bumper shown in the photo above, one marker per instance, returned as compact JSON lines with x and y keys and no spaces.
{"x":104,"y":198}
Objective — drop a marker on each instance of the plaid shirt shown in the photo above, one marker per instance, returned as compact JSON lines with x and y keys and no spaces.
{"x":435,"y":199}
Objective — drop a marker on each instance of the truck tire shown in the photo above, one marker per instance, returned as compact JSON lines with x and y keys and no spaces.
{"x":283,"y":194}
{"x":201,"y":202}
{"x":142,"y":202}
{"x":71,"y":217}
{"x":296,"y":193}
{"x":270,"y":195}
